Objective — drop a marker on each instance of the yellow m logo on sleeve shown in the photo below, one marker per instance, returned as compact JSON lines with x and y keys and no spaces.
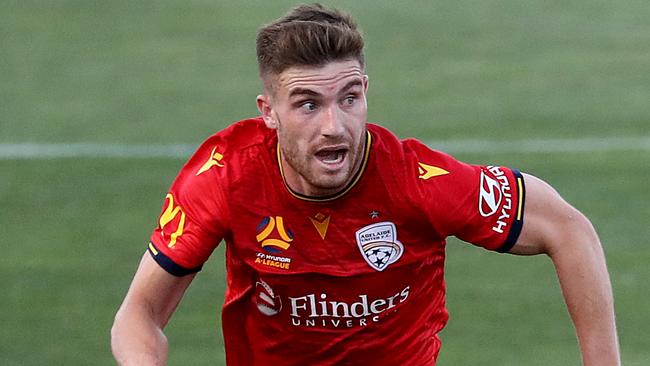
{"x":171,"y":211}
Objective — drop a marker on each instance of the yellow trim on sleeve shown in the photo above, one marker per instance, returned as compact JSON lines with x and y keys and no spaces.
{"x":520,"y":204}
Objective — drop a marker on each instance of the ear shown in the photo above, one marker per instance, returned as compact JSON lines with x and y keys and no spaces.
{"x":264,"y":106}
{"x":365,"y":84}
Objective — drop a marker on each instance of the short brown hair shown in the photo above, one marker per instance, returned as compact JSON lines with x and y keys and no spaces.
{"x":309,"y":35}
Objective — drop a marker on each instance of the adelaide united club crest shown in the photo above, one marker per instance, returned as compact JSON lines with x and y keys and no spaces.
{"x":379,"y":245}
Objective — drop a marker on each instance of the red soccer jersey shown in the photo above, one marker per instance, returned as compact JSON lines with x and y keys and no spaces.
{"x":351,"y":279}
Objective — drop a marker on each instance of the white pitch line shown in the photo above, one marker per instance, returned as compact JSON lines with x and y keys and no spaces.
{"x":38,"y":151}
{"x":543,"y":146}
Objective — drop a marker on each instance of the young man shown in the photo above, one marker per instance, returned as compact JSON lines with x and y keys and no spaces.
{"x":335,"y":229}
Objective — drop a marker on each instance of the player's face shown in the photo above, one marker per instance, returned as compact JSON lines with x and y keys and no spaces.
{"x":320,"y":117}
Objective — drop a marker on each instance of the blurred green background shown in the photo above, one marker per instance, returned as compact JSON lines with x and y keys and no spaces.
{"x":174,"y":72}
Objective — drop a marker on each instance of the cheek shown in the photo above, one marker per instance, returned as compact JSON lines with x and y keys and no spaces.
{"x":292,"y":135}
{"x":358,"y":121}
{"x":358,"y":113}
{"x":297,"y":127}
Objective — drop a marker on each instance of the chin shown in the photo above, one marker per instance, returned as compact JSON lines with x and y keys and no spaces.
{"x":333,"y":183}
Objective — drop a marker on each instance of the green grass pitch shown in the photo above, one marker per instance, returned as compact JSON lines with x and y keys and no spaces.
{"x":168,"y":72}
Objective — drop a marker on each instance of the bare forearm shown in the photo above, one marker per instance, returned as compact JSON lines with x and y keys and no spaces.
{"x":559,"y":230}
{"x":137,"y":336}
{"x":587,"y":291}
{"x":137,"y":340}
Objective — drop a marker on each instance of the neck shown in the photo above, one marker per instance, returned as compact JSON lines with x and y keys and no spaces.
{"x":300,"y":187}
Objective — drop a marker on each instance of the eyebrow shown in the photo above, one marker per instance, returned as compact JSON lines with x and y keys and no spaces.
{"x":308,"y":92}
{"x":351,"y":84}
{"x":302,"y":91}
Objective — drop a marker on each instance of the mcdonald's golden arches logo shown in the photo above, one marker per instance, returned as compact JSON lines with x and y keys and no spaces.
{"x":168,"y":218}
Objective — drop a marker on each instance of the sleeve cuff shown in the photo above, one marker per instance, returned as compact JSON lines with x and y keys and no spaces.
{"x":518,"y":221}
{"x":169,"y":265}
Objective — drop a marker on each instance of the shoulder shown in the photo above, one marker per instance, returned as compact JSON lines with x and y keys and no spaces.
{"x":411,"y":154}
{"x":241,"y":135}
{"x":417,"y":173}
{"x":230,"y":144}
{"x":202,"y":184}
{"x":223,"y":154}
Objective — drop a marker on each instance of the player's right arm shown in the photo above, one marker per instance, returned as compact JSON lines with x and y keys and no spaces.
{"x":193,"y":221}
{"x":137,"y":336}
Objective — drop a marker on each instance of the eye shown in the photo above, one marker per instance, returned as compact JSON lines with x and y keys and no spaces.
{"x":308,"y":106}
{"x":349,"y":100}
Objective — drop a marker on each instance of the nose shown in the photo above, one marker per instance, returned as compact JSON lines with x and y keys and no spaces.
{"x":332,"y":123}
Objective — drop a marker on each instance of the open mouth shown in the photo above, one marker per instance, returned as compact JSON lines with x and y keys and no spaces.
{"x":333,"y":156}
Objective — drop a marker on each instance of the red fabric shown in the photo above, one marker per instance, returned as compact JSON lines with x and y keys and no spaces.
{"x":371,"y":292}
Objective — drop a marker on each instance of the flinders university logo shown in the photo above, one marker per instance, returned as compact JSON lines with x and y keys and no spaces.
{"x":379,"y":245}
{"x":267,"y":302}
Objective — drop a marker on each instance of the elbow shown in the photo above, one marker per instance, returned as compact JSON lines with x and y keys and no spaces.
{"x":136,"y":339}
{"x":575,"y":235}
{"x":115,"y":335}
{"x":115,"y":330}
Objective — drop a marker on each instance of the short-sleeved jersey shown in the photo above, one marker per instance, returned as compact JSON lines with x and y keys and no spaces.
{"x":351,"y":279}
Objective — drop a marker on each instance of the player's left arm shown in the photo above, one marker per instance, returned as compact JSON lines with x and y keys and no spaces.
{"x":554,"y":227}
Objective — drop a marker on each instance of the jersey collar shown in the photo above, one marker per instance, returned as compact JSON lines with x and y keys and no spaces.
{"x":346,"y":189}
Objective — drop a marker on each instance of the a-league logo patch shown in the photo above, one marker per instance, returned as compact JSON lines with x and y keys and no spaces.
{"x":379,"y":245}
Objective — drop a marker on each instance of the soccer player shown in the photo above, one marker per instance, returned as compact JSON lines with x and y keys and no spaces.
{"x":335,"y":229}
